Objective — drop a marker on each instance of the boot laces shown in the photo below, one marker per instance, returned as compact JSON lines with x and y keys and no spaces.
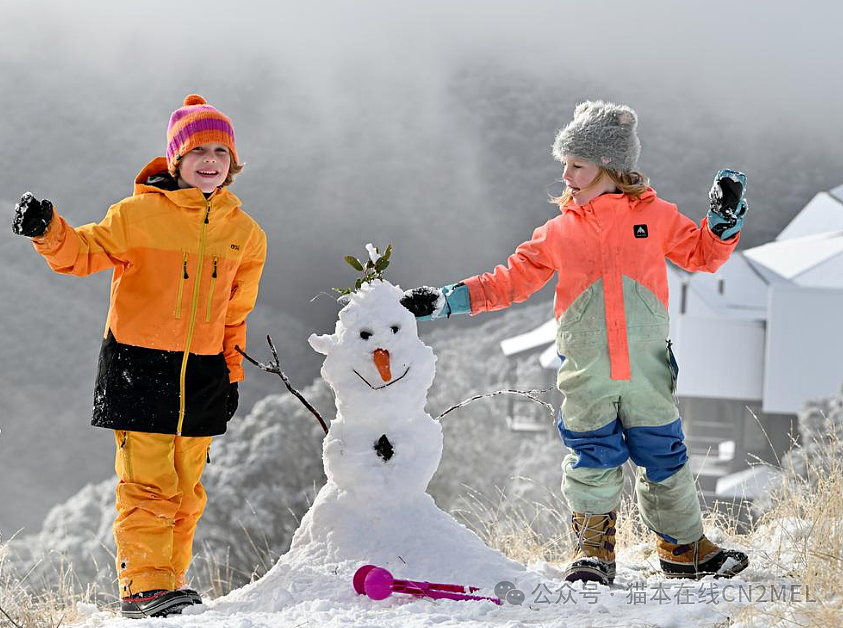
{"x":599,"y":529}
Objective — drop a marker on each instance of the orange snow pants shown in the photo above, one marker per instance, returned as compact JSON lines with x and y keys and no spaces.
{"x":159,"y":502}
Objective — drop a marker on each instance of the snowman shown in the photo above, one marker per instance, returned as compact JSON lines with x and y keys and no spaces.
{"x":382,"y":442}
{"x":380,"y":453}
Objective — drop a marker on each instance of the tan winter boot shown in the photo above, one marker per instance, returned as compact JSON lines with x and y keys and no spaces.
{"x":594,"y":559}
{"x":698,"y":559}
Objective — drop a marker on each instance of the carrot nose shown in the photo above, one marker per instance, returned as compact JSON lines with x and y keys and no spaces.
{"x":381,"y":357}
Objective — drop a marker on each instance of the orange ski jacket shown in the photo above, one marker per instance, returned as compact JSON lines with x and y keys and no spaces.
{"x":185,"y":276}
{"x":612,"y":237}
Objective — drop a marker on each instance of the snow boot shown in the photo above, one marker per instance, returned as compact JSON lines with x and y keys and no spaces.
{"x":594,"y":559}
{"x":699,"y":559}
{"x":193,"y":594}
{"x":157,"y":603}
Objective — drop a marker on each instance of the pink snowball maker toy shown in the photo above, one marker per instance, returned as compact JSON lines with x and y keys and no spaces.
{"x":378,"y":584}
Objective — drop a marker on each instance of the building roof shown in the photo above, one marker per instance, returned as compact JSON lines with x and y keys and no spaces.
{"x":822,"y":214}
{"x":538,"y":337}
{"x":813,"y":261}
{"x":736,"y":290}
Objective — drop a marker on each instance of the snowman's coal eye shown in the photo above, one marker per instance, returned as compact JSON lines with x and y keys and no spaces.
{"x":395,"y":329}
{"x":365,"y":334}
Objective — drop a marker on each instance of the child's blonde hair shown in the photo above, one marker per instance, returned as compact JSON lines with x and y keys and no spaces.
{"x":631,"y":183}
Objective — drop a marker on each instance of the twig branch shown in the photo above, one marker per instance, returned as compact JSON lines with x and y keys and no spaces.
{"x":14,"y":623}
{"x":275,"y":367}
{"x":529,"y":394}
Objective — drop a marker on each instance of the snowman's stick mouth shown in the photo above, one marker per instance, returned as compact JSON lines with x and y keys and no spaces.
{"x":385,"y":385}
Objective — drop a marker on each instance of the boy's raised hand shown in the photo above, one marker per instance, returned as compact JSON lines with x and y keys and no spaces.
{"x":727,"y":205}
{"x":428,"y":303}
{"x":32,"y":217}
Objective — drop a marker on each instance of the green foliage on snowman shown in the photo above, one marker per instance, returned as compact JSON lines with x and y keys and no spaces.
{"x":372,"y":270}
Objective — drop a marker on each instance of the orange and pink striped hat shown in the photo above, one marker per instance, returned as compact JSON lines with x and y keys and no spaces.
{"x":197,"y":123}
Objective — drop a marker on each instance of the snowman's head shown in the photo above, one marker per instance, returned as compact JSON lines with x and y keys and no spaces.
{"x":375,"y":355}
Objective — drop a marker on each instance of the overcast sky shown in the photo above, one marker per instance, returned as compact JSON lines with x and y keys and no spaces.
{"x":786,"y":54}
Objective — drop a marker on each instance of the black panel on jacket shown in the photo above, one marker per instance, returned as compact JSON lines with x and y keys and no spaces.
{"x":137,"y":389}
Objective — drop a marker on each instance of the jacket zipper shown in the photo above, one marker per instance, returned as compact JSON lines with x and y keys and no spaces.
{"x":184,"y":278}
{"x":211,"y":289}
{"x":192,"y":324}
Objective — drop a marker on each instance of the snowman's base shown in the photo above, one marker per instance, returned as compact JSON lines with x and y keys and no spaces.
{"x":343,"y":531}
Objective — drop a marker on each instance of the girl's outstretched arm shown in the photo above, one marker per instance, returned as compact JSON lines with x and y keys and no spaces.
{"x":526,"y":271}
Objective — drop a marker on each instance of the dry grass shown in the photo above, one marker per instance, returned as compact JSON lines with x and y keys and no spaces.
{"x":62,"y":598}
{"x":540,"y":530}
{"x":522,"y":531}
{"x":22,"y":607}
{"x":801,"y":537}
{"x":217,"y":577}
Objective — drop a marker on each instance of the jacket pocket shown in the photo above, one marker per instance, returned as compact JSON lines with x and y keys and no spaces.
{"x":651,"y":302}
{"x":211,"y":288}
{"x":182,"y":281}
{"x":577,"y":309}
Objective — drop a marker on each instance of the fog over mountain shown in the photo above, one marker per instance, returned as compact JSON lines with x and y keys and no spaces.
{"x":423,"y":124}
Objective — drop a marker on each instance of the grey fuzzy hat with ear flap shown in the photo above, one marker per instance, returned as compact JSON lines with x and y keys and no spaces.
{"x":603,"y":133}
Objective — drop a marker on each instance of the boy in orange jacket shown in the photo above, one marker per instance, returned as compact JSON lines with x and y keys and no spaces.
{"x":186,"y":263}
{"x":618,"y":374}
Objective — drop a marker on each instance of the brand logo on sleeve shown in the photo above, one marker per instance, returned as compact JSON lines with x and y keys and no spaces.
{"x":235,"y":247}
{"x":640,"y":231}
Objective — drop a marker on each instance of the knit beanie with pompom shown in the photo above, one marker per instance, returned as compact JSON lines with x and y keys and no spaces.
{"x":194,"y":124}
{"x":603,"y":133}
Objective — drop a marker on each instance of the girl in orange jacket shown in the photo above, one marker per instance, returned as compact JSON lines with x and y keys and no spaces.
{"x":608,"y":247}
{"x":186,"y":263}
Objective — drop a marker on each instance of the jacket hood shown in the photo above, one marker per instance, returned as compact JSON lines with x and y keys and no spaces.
{"x":648,"y":196}
{"x":155,"y":178}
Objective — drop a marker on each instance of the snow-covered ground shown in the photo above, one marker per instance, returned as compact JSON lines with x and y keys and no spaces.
{"x":297,"y":594}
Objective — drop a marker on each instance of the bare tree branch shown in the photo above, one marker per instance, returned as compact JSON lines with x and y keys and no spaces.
{"x":529,"y":394}
{"x":275,"y":367}
{"x":14,"y":623}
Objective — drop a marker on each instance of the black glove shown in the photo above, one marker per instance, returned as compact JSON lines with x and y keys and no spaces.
{"x":232,"y":400}
{"x":421,"y":301}
{"x":428,"y":304}
{"x":32,"y":217}
{"x":727,"y":205}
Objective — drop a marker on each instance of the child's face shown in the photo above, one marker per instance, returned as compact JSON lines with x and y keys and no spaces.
{"x":205,"y":167}
{"x":580,"y":175}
